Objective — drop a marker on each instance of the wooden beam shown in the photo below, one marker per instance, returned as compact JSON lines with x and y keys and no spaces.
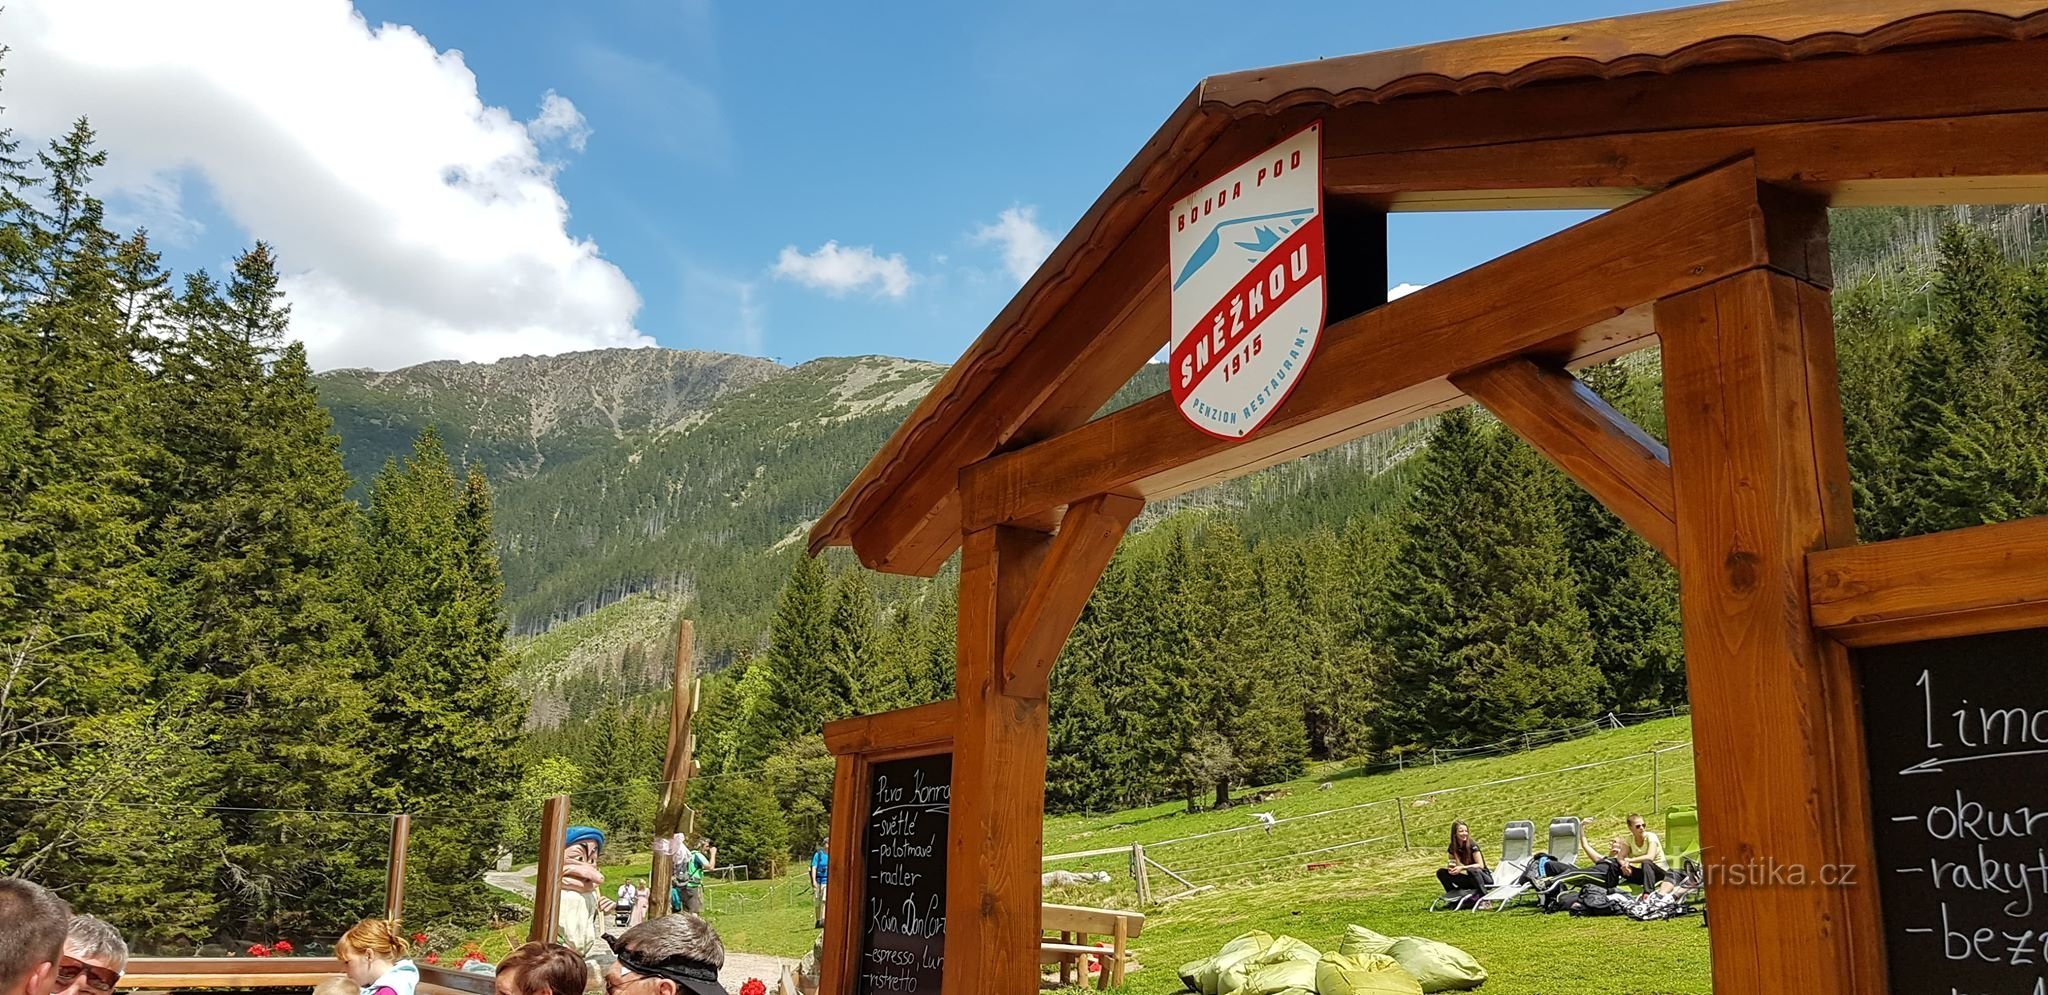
{"x":1949,"y":159}
{"x":1380,"y":365}
{"x":547,"y":881}
{"x":840,"y":963}
{"x":677,"y":763}
{"x":998,"y":801}
{"x":1992,"y":578}
{"x":1619,"y":464}
{"x":1761,"y":478}
{"x":394,"y":867}
{"x":1087,"y":538}
{"x":918,"y":725}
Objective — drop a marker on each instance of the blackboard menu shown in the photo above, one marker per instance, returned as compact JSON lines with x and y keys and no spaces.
{"x":1958,"y":737}
{"x":903,"y":914}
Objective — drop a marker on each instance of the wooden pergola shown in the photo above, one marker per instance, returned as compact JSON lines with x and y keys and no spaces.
{"x":1717,"y":136}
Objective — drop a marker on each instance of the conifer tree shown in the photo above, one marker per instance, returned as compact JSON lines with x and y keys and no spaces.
{"x":443,"y":716}
{"x":809,"y":689}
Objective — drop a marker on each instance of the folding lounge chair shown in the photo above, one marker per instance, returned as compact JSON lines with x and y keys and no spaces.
{"x":1682,"y":846}
{"x":1517,"y":845}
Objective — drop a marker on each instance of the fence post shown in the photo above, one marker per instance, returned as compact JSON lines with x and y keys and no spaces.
{"x":547,"y":883}
{"x":1139,"y":872}
{"x":1653,"y":779}
{"x":1401,"y":809}
{"x":394,"y":867}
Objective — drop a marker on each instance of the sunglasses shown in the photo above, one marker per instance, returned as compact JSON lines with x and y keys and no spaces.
{"x":99,"y":979}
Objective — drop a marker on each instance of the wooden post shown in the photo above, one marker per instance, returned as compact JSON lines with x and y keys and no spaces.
{"x":547,"y":881}
{"x":394,"y":867}
{"x":1401,"y":810}
{"x":677,"y":764}
{"x":999,"y":740}
{"x":1762,"y":478}
{"x":1143,"y":876}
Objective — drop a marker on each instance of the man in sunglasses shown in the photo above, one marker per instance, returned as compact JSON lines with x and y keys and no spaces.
{"x":678,"y":954}
{"x":32,"y":921}
{"x":94,"y":957}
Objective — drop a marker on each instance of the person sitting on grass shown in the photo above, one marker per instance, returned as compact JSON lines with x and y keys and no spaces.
{"x":674,"y":955}
{"x":543,"y":969}
{"x":32,"y":924}
{"x":372,"y":954}
{"x":1636,"y":858}
{"x":94,"y":957}
{"x":1466,"y":870}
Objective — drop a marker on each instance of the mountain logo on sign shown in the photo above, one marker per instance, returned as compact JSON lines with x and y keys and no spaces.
{"x":1266,"y":237}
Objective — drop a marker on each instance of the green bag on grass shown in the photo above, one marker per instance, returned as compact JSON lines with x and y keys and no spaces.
{"x":1288,"y":963}
{"x":1363,"y":974}
{"x":1204,"y":975}
{"x":1359,"y":940}
{"x":1440,"y":967}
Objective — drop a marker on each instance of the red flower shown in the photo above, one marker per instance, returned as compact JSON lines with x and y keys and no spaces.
{"x":282,"y":947}
{"x":754,"y":987}
{"x":258,"y":950}
{"x":433,"y":958}
{"x":419,"y":939}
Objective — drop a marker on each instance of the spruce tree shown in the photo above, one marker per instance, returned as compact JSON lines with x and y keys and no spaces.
{"x":808,"y":688}
{"x":443,"y":716}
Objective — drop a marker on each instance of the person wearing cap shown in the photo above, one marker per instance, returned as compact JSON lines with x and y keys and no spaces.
{"x":674,"y":955}
{"x":582,"y":900}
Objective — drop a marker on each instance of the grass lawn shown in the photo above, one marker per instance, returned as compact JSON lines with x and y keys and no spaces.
{"x":1351,"y":834}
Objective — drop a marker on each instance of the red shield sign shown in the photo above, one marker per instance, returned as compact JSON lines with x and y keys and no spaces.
{"x":1248,"y":272}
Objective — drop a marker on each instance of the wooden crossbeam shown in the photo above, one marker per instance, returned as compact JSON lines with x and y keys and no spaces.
{"x":1384,"y":365}
{"x":1991,"y":578}
{"x":1618,"y":463}
{"x":1995,"y":158}
{"x":1087,"y":538}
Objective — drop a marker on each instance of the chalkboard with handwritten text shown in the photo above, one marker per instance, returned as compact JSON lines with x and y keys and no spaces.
{"x":1958,"y":736}
{"x":902,"y":921}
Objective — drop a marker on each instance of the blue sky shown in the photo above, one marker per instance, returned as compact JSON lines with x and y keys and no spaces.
{"x":720,"y":135}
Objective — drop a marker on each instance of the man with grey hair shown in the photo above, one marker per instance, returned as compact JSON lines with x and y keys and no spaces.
{"x":94,"y":957}
{"x":32,"y":923}
{"x":677,"y":954}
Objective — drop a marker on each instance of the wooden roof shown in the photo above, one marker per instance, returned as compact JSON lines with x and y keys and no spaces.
{"x":1095,"y":310}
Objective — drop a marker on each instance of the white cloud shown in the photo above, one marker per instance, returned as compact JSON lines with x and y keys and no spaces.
{"x":559,"y":120}
{"x":838,"y":270}
{"x":1400,"y":290}
{"x":1024,"y":243}
{"x":412,"y":221}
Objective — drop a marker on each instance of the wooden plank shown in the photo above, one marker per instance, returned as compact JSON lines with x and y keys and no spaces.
{"x":1679,"y":239}
{"x":1898,"y":84}
{"x":1662,"y":41}
{"x":998,"y":800}
{"x":1619,"y":464}
{"x":918,"y":725}
{"x":1943,"y":157}
{"x":840,"y":965}
{"x":446,"y":979}
{"x":677,"y":764}
{"x":394,"y":867}
{"x":1748,"y":375}
{"x":1087,"y":539}
{"x":1990,"y":578}
{"x":547,"y":881}
{"x":1083,"y":919}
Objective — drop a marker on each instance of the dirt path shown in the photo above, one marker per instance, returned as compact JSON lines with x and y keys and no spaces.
{"x":518,"y":882}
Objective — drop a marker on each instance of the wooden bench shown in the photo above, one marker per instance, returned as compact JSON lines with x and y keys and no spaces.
{"x":1074,"y":927}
